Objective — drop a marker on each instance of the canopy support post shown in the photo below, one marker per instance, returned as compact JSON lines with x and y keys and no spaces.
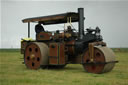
{"x":28,"y":29}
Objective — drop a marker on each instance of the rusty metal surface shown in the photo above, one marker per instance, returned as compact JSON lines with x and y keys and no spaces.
{"x":36,"y":55}
{"x":62,"y":54}
{"x":23,"y":46}
{"x":44,"y":36}
{"x":53,"y":53}
{"x":98,"y":57}
{"x":101,"y":55}
{"x":53,"y":19}
{"x":91,"y":48}
{"x":57,"y":54}
{"x":109,"y":56}
{"x":70,"y":47}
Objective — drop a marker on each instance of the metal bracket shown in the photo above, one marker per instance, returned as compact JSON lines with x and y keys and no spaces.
{"x":91,"y":49}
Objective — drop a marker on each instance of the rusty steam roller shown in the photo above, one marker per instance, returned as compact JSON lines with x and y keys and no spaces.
{"x":61,"y":47}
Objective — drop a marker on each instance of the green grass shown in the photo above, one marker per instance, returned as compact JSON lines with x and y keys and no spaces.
{"x":13,"y":72}
{"x":10,"y":50}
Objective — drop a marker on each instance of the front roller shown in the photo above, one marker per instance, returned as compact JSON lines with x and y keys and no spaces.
{"x":36,"y":55}
{"x":103,"y":60}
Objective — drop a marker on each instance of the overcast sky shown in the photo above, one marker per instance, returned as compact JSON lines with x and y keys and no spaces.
{"x":110,"y":16}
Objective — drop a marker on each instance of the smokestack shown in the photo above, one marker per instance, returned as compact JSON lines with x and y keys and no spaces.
{"x":81,"y":22}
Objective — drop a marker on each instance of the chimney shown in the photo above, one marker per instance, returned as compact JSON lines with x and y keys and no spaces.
{"x":81,"y":22}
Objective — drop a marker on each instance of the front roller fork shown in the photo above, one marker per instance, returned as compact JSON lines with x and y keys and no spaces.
{"x":91,"y":49}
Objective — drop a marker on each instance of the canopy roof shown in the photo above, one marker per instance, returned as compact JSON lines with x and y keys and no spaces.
{"x":54,"y":19}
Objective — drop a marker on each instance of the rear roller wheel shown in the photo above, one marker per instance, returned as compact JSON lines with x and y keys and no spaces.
{"x":36,"y":55}
{"x":102,"y":60}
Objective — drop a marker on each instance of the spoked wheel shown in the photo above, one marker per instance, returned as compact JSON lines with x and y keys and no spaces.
{"x":36,"y":55}
{"x":103,"y":60}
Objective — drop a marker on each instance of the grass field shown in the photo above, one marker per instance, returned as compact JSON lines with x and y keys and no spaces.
{"x":13,"y":72}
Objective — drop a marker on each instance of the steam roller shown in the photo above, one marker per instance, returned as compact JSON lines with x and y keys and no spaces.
{"x":56,"y":49}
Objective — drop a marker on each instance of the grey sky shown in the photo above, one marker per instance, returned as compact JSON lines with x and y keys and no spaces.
{"x":110,"y":16}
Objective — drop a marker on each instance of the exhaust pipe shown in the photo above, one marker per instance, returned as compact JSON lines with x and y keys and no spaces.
{"x":81,"y":22}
